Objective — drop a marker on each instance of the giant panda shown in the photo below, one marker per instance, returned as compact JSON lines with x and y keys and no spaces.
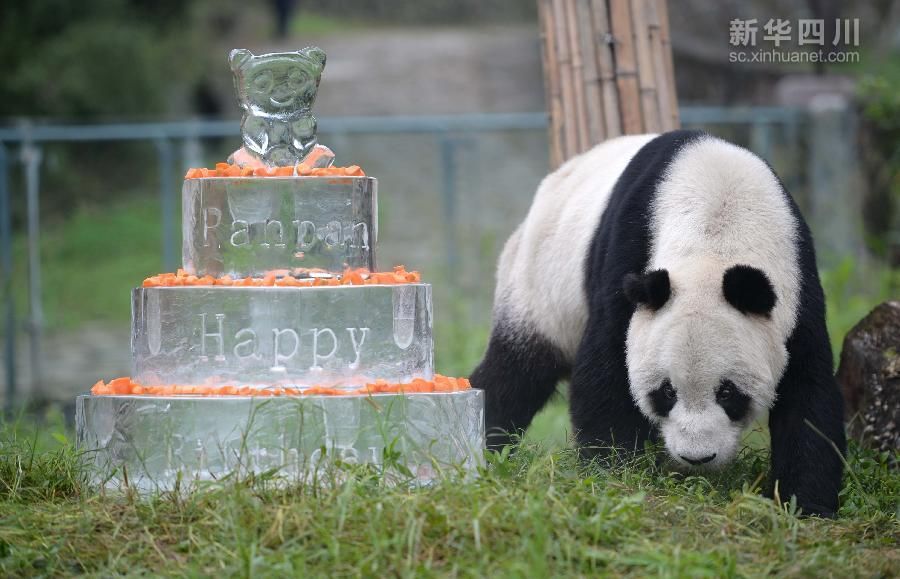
{"x":672,"y":280}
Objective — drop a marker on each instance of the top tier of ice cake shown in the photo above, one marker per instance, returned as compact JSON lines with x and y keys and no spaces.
{"x":248,"y":226}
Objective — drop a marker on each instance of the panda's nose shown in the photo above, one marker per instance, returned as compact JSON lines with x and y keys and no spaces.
{"x":703,"y":460}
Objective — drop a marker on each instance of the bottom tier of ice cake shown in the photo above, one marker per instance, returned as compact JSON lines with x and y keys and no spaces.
{"x":152,"y":443}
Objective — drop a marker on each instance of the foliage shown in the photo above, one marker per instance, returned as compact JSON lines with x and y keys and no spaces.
{"x":535,"y":512}
{"x":852,"y":290}
{"x":86,"y":58}
{"x":879,"y":95}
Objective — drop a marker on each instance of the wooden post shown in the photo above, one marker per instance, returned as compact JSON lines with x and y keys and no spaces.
{"x":607,"y":71}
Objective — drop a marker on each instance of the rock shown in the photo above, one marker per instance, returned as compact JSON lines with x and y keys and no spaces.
{"x":869,"y":375}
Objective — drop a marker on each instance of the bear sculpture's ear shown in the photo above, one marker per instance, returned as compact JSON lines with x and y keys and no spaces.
{"x":651,"y":289}
{"x":239,"y":57}
{"x":749,"y":290}
{"x":316,"y":53}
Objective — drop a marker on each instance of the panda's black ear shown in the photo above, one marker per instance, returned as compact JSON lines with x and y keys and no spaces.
{"x":651,"y":289}
{"x":749,"y":290}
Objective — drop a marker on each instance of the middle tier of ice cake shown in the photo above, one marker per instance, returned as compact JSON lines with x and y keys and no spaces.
{"x":247,"y":226}
{"x":341,"y":336}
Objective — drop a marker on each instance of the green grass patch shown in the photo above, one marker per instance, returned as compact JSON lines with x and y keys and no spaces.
{"x":90,"y":262}
{"x":536,"y":513}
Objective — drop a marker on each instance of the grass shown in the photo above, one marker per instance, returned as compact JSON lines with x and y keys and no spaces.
{"x":536,"y":513}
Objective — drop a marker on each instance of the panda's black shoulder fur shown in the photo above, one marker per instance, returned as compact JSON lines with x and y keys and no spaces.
{"x":621,"y":243}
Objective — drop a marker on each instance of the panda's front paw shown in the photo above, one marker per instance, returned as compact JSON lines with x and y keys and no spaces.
{"x":814,"y":510}
{"x":807,"y":507}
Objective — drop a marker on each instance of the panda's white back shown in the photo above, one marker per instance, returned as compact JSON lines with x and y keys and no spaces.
{"x":540,"y":277}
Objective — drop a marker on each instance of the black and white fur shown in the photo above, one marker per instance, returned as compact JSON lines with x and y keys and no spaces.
{"x":672,"y":279}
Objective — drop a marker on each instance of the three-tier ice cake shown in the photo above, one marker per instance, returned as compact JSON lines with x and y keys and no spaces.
{"x":279,"y":344}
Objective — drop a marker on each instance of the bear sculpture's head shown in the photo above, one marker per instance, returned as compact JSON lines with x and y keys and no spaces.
{"x":281,"y":84}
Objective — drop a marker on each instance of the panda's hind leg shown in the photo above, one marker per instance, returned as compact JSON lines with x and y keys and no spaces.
{"x":518,"y":374}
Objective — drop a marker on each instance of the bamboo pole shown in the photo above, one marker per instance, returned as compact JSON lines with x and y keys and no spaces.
{"x":626,"y":67}
{"x":579,"y":88}
{"x":564,"y":61}
{"x":659,"y":64}
{"x":553,"y":91}
{"x":608,"y":71}
{"x":596,"y":123}
{"x":673,"y":121}
{"x":603,"y":41}
{"x":646,"y":74}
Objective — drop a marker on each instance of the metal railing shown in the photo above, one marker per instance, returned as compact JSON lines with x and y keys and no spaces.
{"x":28,"y":139}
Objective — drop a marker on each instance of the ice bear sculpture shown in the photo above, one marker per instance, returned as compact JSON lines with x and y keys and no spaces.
{"x":276,"y":92}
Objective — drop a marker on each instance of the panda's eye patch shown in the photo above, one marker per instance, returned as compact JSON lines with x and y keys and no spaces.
{"x":663,"y":398}
{"x":735,"y":403}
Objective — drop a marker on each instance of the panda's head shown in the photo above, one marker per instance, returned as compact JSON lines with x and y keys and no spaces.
{"x":704,"y":357}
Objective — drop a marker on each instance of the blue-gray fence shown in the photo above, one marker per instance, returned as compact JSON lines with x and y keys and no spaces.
{"x":22,"y":145}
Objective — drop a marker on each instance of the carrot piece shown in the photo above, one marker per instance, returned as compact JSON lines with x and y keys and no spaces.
{"x":116,"y":382}
{"x":352,"y":278}
{"x":316,"y":390}
{"x":354,"y":171}
{"x":420,"y":385}
{"x":443,"y":384}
